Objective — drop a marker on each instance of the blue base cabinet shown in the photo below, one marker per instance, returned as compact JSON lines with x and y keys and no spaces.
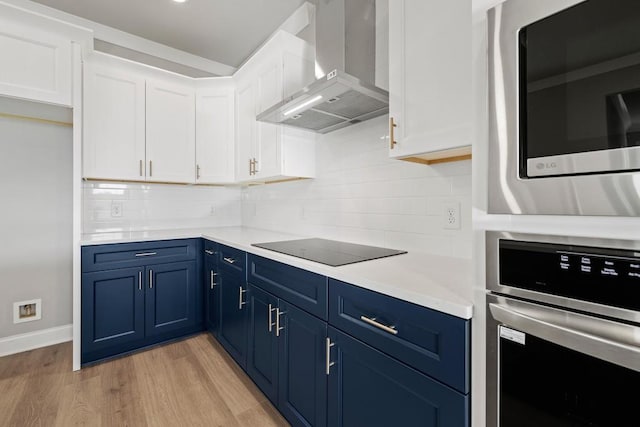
{"x":211,"y":288}
{"x":370,"y":388}
{"x":112,"y":308}
{"x":138,"y":294}
{"x":234,"y":312}
{"x":302,"y":392}
{"x":262,"y":360}
{"x":172,"y":300}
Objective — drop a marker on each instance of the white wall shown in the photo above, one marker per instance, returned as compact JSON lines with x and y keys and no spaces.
{"x":35,"y":222}
{"x":158,"y":206}
{"x":362,"y":196}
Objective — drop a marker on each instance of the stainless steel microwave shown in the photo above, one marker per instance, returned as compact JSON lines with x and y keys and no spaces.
{"x":564,"y":107}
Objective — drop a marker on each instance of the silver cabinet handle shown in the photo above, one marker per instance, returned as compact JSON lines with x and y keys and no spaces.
{"x":329,"y":362}
{"x":140,"y":280}
{"x":229,"y":260}
{"x":271,"y":324}
{"x":255,"y":166}
{"x":278,"y":314}
{"x":146,"y":254}
{"x":197,"y":171}
{"x":213,"y":282}
{"x":373,"y":322}
{"x":150,"y":279}
{"x":240,"y":302}
{"x":150,"y":168}
{"x":141,"y":168}
{"x":208,"y":252}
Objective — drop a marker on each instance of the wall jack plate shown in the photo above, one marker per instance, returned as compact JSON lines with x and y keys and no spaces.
{"x":26,"y":311}
{"x":451,"y":216}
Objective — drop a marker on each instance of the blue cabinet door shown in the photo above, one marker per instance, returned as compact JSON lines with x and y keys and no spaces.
{"x":302,"y":392}
{"x":370,"y":388}
{"x":262,"y":357}
{"x":232,"y":332}
{"x":112,"y":311}
{"x":211,"y":292}
{"x":172,"y":297}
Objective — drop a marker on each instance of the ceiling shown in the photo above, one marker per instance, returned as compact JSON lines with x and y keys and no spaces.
{"x":226,"y":31}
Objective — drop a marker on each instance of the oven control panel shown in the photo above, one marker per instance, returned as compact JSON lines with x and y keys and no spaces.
{"x":599,"y":275}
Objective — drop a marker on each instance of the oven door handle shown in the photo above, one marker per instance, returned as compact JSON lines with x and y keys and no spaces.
{"x":614,"y":342}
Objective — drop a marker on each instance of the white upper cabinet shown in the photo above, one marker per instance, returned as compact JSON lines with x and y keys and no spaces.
{"x":170,"y":130}
{"x":265,"y":151}
{"x":35,"y":61}
{"x":139,"y":122}
{"x":215,"y":139}
{"x":114,"y":122}
{"x":430,"y":79}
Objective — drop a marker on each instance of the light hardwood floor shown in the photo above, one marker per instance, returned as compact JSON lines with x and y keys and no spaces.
{"x":187,"y":383}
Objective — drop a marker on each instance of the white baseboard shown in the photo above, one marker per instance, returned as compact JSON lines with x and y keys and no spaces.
{"x":32,"y":340}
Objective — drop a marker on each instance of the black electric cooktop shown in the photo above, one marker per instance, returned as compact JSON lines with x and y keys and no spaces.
{"x":329,"y":252}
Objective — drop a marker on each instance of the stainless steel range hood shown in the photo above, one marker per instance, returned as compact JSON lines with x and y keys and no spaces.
{"x":345,"y":57}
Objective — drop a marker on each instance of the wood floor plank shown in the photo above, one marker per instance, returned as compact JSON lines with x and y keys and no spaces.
{"x":191,"y":382}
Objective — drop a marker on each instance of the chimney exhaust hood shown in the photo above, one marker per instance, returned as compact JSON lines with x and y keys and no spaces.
{"x":345,"y":57}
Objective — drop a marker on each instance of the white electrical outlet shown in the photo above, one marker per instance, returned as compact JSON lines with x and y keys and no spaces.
{"x":116,"y":209}
{"x":451,"y":216}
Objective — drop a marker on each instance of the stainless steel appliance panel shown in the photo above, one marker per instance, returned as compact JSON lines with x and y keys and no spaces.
{"x":494,"y":285}
{"x":607,"y":194}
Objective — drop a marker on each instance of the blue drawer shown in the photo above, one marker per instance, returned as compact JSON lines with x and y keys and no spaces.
{"x":124,"y":255}
{"x":232,"y":259}
{"x":299,"y":287}
{"x":430,"y":341}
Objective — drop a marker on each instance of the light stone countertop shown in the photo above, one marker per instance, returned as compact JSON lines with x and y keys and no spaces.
{"x":437,"y":282}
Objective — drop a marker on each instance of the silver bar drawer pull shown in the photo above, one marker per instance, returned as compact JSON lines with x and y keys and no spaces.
{"x":373,"y":322}
{"x":147,"y":254}
{"x":150,"y":279}
{"x":271,"y":310}
{"x":329,"y":362}
{"x":229,"y":260}
{"x":240,"y":302}
{"x":140,"y":280}
{"x":208,"y":252}
{"x":278,"y":328}
{"x":213,"y":280}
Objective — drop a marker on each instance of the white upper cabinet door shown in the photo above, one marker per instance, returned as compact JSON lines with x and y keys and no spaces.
{"x":215,"y":140}
{"x":170,"y":132}
{"x":114,"y":123}
{"x":34,"y":64}
{"x":430,"y":78}
{"x":245,"y":129}
{"x":269,"y":93}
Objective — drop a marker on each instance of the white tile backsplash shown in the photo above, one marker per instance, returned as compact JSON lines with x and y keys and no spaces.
{"x":158,"y":206}
{"x":362,"y":196}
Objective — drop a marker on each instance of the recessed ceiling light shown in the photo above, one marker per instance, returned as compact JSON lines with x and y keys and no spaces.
{"x":179,"y":1}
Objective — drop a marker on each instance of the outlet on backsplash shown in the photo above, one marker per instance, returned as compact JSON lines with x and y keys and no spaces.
{"x":451,"y":216}
{"x":116,"y":209}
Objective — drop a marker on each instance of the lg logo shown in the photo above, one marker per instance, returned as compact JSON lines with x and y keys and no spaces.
{"x":549,"y":165}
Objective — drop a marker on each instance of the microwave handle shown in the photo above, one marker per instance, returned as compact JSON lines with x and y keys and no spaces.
{"x":614,"y":342}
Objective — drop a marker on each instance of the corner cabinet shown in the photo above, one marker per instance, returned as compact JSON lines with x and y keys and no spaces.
{"x":215,"y":131}
{"x":138,"y":294}
{"x":430,"y":91}
{"x":266,"y":151}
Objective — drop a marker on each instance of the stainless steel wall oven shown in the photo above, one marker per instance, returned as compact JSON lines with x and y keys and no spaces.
{"x":563,"y":331}
{"x":564,"y":107}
